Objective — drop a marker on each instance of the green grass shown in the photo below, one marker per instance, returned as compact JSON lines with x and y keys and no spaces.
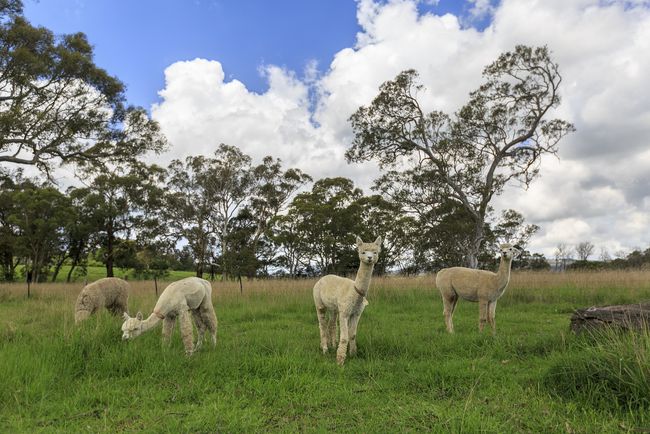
{"x":95,"y":272}
{"x":267,"y":372}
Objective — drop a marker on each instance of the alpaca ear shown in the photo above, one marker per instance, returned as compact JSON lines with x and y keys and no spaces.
{"x":139,"y":316}
{"x":378,"y":241}
{"x":358,"y":241}
{"x":125,"y":316}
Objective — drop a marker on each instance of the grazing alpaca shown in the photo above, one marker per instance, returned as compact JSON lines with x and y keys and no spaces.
{"x":191,"y":294}
{"x":475,"y":285}
{"x":109,"y":292}
{"x":347,"y":299}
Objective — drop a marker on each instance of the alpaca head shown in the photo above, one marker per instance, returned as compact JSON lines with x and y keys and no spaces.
{"x":132,"y":327}
{"x":508,"y":251}
{"x":369,"y":252}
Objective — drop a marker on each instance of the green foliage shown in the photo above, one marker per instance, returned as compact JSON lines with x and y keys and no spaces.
{"x":58,"y":107}
{"x":469,"y":157}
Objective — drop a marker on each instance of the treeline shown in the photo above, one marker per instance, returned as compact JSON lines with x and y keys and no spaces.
{"x":636,"y":259}
{"x":220,"y":214}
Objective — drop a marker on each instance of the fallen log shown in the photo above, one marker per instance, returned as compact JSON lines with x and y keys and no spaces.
{"x":624,"y":316}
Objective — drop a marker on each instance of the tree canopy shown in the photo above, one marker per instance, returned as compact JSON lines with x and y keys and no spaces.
{"x":496,"y":138}
{"x":57,"y":106}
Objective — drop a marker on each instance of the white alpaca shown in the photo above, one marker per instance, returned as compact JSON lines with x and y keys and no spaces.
{"x":476,"y":285}
{"x":347,"y":299}
{"x":191,"y":294}
{"x":109,"y":292}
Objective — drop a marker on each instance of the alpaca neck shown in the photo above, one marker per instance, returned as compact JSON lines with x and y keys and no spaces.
{"x":150,"y":322}
{"x":503,"y":275}
{"x":362,"y":281}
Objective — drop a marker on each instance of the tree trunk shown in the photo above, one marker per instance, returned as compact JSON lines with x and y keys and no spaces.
{"x":109,"y":251}
{"x":72,"y":267}
{"x":57,"y":268}
{"x":471,"y":256}
{"x":626,"y":316}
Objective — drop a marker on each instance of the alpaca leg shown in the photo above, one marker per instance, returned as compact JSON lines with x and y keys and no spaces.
{"x":331,"y":329}
{"x":321,"y":312}
{"x":168,"y":329}
{"x":186,"y":331}
{"x":482,"y":314}
{"x":209,"y":318}
{"x":449,"y":307}
{"x":354,"y":321}
{"x":343,"y":340}
{"x":200,"y":327}
{"x":492,"y":307}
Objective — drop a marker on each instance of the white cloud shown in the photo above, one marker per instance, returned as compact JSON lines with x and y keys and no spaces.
{"x":599,"y":190}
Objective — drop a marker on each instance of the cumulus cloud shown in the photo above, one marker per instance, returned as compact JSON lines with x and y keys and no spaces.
{"x":598,"y":190}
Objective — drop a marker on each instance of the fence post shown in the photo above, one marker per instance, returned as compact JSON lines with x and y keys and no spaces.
{"x":155,"y":283}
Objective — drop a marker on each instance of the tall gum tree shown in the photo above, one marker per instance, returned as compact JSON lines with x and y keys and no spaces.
{"x":496,"y":138}
{"x":58,"y":107}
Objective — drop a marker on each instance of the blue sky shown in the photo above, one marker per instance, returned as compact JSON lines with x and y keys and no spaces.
{"x":137,"y":39}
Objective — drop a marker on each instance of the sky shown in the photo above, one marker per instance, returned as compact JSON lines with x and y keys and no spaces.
{"x":282,"y":78}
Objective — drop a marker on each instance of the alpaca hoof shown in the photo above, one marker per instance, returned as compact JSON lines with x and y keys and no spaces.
{"x":340,"y":360}
{"x":324,"y":350}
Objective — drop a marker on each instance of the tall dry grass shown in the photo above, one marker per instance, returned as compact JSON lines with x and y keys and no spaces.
{"x":521,"y":282}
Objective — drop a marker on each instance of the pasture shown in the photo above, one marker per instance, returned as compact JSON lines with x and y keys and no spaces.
{"x":267,"y":372}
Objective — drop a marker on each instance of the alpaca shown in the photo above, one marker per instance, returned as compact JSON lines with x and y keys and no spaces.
{"x":476,"y":285}
{"x":109,"y":292}
{"x":191,"y":294}
{"x":347,"y":299}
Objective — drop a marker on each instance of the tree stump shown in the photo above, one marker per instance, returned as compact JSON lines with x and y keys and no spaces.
{"x":624,"y":316}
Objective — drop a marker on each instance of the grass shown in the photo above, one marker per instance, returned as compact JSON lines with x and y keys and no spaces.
{"x":94,"y":272}
{"x":267,"y":373}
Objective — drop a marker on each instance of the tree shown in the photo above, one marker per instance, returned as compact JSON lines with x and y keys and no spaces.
{"x":188,"y":206}
{"x":273,"y":189}
{"x":57,"y":106}
{"x":584,"y":250}
{"x":562,"y":255}
{"x":40,"y":216}
{"x":604,"y":254}
{"x":8,"y":230}
{"x":497,"y":138}
{"x":293,"y":248}
{"x":118,"y":205}
{"x":328,"y":218}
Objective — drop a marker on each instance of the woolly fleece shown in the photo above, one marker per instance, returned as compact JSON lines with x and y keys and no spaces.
{"x":186,"y":299}
{"x":337,"y":296}
{"x":109,"y":292}
{"x":475,"y":285}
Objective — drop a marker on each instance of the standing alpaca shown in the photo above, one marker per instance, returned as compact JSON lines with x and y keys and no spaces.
{"x":475,"y":285}
{"x":191,"y":294}
{"x":347,"y":298}
{"x":109,"y":292}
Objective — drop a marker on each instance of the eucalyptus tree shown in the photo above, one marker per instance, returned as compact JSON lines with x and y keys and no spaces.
{"x":384,"y":218}
{"x":271,"y":193}
{"x":293,"y":248}
{"x":8,"y":230}
{"x":57,"y":106}
{"x":498,"y":137}
{"x":118,"y":205}
{"x":328,"y":218}
{"x":188,"y":206}
{"x":40,"y":216}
